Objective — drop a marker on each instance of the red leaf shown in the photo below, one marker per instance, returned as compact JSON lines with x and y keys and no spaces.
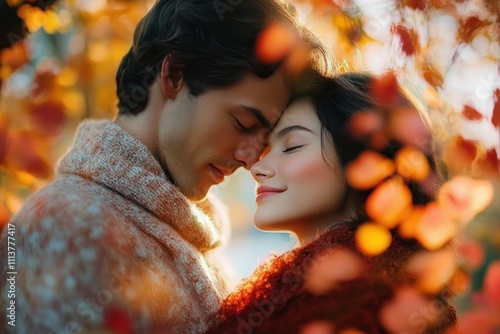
{"x":468,"y":27}
{"x":414,"y":4}
{"x":4,"y":129}
{"x":49,"y":117}
{"x":118,"y":321}
{"x":385,"y":88}
{"x":496,"y":110}
{"x":471,"y":114}
{"x":409,"y":39}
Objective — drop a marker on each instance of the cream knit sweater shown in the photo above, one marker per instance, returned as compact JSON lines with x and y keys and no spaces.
{"x":112,"y":236}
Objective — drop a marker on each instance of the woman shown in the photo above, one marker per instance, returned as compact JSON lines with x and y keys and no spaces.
{"x":327,"y":285}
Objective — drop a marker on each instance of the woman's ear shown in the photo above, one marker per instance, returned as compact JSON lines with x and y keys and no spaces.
{"x":171,"y":78}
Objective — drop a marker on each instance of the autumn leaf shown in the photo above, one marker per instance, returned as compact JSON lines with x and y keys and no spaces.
{"x":436,"y":227}
{"x":274,"y":43}
{"x":487,"y":165}
{"x":491,"y":285}
{"x":4,"y":129}
{"x":412,"y":164}
{"x":432,"y":269}
{"x":471,"y":113}
{"x":407,"y":303}
{"x":464,"y":197}
{"x":495,"y":119}
{"x":408,"y":227}
{"x":459,"y":154}
{"x":413,"y":4}
{"x":385,"y":88}
{"x":368,"y":169}
{"x":15,"y":57}
{"x":49,"y":117}
{"x":389,"y":203}
{"x":408,"y":128}
{"x":331,"y":268}
{"x":372,"y":239}
{"x":468,"y":28}
{"x":432,"y":75}
{"x":471,"y":254}
{"x":24,"y":155}
{"x":409,"y":39}
{"x":118,"y":321}
{"x":317,"y":327}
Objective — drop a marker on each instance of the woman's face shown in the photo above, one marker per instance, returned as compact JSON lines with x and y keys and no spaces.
{"x":300,"y":189}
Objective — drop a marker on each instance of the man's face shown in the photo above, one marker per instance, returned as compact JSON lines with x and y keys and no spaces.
{"x":202,"y":139}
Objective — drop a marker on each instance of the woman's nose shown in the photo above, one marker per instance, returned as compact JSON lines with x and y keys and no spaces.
{"x":262,"y":169}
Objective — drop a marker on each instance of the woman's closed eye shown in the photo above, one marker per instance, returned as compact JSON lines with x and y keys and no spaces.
{"x":292,"y":148}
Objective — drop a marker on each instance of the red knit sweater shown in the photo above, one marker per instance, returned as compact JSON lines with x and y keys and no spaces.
{"x":274,"y":300}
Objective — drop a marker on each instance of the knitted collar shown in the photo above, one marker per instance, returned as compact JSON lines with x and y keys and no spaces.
{"x":106,"y":154}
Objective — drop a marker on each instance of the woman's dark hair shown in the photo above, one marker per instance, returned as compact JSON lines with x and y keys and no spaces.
{"x":212,"y":42}
{"x":335,"y":101}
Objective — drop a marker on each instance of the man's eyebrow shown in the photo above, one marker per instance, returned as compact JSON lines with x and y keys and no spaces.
{"x":283,"y":132}
{"x":260,"y":116}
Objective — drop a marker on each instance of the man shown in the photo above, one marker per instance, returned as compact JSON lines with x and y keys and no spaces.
{"x":125,"y":235}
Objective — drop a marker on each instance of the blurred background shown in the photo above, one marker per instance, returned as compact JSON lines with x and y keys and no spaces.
{"x":58,"y":61}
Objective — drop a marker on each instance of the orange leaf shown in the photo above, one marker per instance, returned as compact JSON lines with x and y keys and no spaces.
{"x":15,"y":57}
{"x":408,"y":227}
{"x":407,"y":303}
{"x":24,"y":156}
{"x":274,"y":43}
{"x":389,"y":203}
{"x":460,"y":282}
{"x":432,"y":269}
{"x":385,"y":88}
{"x":372,"y":239}
{"x":4,"y":130}
{"x":436,"y":227}
{"x":488,"y":165}
{"x":464,"y":197}
{"x":432,"y":76}
{"x":459,"y":154}
{"x":364,"y":123}
{"x":468,"y":28}
{"x":496,"y":110}
{"x":317,"y":327}
{"x":368,"y":170}
{"x":407,"y":127}
{"x":331,"y":268}
{"x":412,"y":164}
{"x":409,"y":39}
{"x":471,"y":113}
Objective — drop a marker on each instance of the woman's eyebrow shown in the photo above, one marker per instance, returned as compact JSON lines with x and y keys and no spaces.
{"x":283,"y":132}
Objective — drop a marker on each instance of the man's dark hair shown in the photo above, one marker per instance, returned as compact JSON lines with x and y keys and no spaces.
{"x":212,"y":42}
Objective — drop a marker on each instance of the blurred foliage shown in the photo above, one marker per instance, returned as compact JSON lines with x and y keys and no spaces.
{"x":447,"y":52}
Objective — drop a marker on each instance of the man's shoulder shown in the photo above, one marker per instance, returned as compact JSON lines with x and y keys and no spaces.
{"x":69,"y":202}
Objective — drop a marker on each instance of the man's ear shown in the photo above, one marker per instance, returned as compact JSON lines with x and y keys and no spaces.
{"x":171,"y":78}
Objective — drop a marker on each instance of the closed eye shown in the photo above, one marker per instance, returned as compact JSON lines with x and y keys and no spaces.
{"x":290,"y":149}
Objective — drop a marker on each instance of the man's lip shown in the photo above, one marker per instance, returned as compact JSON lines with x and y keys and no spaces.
{"x":217,"y":174}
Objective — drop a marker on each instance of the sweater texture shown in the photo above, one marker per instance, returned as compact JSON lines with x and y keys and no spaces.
{"x":111,"y":238}
{"x":275,"y":298}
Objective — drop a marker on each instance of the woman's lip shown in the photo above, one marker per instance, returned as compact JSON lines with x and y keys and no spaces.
{"x":260,"y":196}
{"x":217,"y":175}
